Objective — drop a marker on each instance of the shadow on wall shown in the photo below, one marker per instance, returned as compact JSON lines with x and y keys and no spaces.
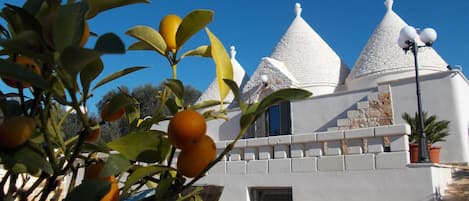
{"x":228,"y":130}
{"x":333,"y":121}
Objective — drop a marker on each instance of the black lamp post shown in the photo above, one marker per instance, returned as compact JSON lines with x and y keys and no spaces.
{"x":408,"y":40}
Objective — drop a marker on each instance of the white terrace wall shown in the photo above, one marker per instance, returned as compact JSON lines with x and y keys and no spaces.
{"x":445,"y":94}
{"x":317,"y":166}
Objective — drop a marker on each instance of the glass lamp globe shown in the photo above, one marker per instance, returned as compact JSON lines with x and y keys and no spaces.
{"x":428,"y":35}
{"x":264,"y":78}
{"x":402,"y":43}
{"x":408,"y":33}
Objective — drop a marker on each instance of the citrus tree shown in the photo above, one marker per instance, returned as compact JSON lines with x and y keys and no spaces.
{"x":45,"y":61}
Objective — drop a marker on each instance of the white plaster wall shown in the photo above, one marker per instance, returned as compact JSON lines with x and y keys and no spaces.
{"x":409,"y":184}
{"x":445,"y":95}
{"x":319,"y":113}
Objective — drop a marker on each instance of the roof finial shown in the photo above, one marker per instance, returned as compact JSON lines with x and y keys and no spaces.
{"x":233,"y":52}
{"x":298,"y":9}
{"x":388,"y":4}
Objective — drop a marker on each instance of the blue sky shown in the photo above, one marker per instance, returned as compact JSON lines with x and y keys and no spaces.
{"x":255,"y":27}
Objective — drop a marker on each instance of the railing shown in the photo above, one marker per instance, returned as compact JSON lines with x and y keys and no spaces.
{"x":384,"y":147}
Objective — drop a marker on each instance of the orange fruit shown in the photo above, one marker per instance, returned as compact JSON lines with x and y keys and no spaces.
{"x":192,"y":161}
{"x":15,"y":131}
{"x":86,"y":34}
{"x":106,"y":116}
{"x":28,"y":63}
{"x":186,"y":128}
{"x":168,"y":28}
{"x":93,"y":171}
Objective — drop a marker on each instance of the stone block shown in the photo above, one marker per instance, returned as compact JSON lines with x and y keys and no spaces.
{"x":343,"y":122}
{"x":313,"y":149}
{"x":281,"y":151}
{"x":384,"y":88}
{"x":218,"y":169}
{"x":398,"y":129}
{"x":373,"y":96}
{"x":399,"y":143}
{"x":277,"y":166}
{"x":331,"y":163}
{"x":236,"y":154}
{"x":236,"y":167}
{"x":392,"y":160}
{"x":333,"y":129}
{"x":353,"y":114}
{"x":359,"y":133}
{"x":283,"y":139}
{"x":303,"y":138}
{"x":354,"y":146}
{"x":250,"y":153}
{"x":297,"y":150}
{"x":360,"y":162}
{"x":330,"y":135}
{"x":307,"y":164}
{"x":333,"y":148}
{"x":256,"y":142}
{"x":265,"y":153}
{"x":257,"y":167}
{"x":363,"y":105}
{"x":375,"y":145}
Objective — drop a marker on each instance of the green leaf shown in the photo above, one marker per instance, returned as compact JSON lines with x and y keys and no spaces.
{"x":58,"y":90}
{"x":33,"y":6}
{"x":75,"y":59}
{"x":172,"y":106}
{"x":89,"y":73}
{"x":140,"y":45}
{"x":191,"y":24}
{"x":26,"y":43}
{"x":141,"y":172}
{"x":150,"y":36}
{"x":224,"y":69}
{"x":176,"y":87}
{"x":122,"y":100}
{"x":115,"y":164}
{"x":97,"y":6}
{"x":246,"y":120}
{"x":237,"y":94}
{"x":133,"y":111}
{"x":20,"y":73}
{"x":133,"y":144}
{"x":110,"y":43}
{"x":203,"y":51}
{"x":33,"y":160}
{"x":89,"y":190}
{"x":28,"y":20}
{"x":205,"y":104}
{"x":117,"y":75}
{"x":67,"y":29}
{"x":280,"y":96}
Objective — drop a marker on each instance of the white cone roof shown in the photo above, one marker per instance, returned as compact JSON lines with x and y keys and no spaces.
{"x":239,"y":76}
{"x":383,"y":60}
{"x":309,"y":59}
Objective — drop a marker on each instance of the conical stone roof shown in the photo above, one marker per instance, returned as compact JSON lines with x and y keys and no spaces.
{"x":239,"y":76}
{"x":309,"y":59}
{"x":383,"y":60}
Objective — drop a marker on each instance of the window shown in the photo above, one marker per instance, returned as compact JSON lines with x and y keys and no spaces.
{"x":278,"y":119}
{"x":271,"y":194}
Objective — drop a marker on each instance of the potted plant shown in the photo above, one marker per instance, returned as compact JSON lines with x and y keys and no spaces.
{"x":435,"y":130}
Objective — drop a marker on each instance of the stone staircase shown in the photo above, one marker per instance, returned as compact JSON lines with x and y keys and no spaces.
{"x":375,"y":110}
{"x":458,"y":190}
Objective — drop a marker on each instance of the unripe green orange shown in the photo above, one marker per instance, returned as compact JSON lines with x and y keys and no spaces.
{"x":15,"y":131}
{"x":168,"y":28}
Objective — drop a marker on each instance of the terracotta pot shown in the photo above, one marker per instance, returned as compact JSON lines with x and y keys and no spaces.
{"x":433,"y":152}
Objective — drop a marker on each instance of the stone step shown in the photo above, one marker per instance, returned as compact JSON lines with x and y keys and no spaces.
{"x":458,"y":190}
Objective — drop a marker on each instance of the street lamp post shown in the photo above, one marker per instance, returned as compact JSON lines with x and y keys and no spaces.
{"x":409,"y":40}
